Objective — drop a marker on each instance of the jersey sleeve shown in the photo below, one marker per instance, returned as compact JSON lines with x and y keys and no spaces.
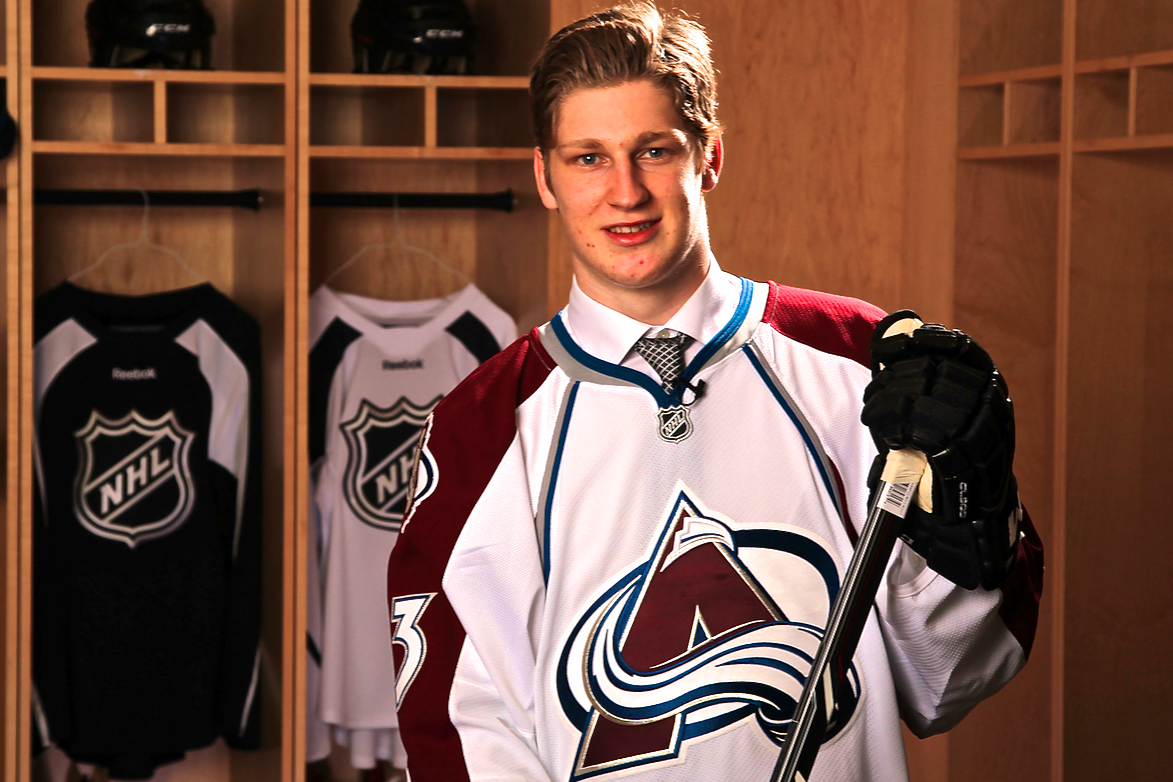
{"x":227,"y":345}
{"x":59,"y":340}
{"x":464,"y":580}
{"x":240,"y":711}
{"x":949,"y":647}
{"x":952,"y":647}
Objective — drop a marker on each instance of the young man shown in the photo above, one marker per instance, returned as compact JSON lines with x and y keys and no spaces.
{"x":628,"y":527}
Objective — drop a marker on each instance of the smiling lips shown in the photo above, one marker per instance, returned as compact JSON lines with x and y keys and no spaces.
{"x":632,"y":233}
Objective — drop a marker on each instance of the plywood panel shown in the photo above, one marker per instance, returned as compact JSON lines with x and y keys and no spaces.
{"x":999,"y":35}
{"x":511,"y":247}
{"x":1154,"y":100}
{"x":930,"y":169}
{"x":1101,"y":105}
{"x":509,"y":34}
{"x":70,"y":238}
{"x":1105,"y":28}
{"x":249,"y":33}
{"x":337,"y":235}
{"x":1119,"y":604}
{"x":1007,"y":234}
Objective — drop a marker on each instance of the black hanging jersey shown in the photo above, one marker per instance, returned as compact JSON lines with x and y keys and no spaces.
{"x":147,"y":543}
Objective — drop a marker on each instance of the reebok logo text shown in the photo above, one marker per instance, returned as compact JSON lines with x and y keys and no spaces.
{"x":410,"y":363}
{"x":150,"y":373}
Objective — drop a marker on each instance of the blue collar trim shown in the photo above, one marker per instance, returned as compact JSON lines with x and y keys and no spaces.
{"x":634,"y":376}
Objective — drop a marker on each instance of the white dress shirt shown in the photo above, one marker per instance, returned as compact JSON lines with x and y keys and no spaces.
{"x":610,"y":335}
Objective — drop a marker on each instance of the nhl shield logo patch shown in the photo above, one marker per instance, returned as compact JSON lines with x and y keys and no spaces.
{"x":381,"y":452}
{"x":134,"y":481}
{"x":675,"y":423}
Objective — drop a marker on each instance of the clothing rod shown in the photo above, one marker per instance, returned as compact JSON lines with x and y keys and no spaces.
{"x":251,"y":199}
{"x":247,"y":199}
{"x":503,"y":201}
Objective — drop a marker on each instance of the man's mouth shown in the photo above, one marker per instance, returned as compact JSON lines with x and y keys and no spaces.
{"x":631,"y":228}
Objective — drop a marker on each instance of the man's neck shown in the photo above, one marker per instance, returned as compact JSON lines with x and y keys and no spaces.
{"x":653,"y":305}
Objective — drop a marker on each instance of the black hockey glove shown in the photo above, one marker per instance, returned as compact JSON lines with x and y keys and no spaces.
{"x":939,"y":392}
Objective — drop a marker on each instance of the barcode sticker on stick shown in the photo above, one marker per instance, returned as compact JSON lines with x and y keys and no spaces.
{"x":896,"y":497}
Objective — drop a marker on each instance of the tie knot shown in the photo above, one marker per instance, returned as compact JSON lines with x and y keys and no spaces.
{"x":665,"y":355}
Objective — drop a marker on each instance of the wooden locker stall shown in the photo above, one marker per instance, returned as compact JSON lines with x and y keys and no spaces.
{"x":10,"y":479}
{"x":1064,"y":192}
{"x":407,"y":133}
{"x":120,"y":129}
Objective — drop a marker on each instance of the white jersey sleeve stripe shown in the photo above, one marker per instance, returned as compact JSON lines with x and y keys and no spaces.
{"x":53,"y":352}
{"x":228,"y":434}
{"x":50,"y":355}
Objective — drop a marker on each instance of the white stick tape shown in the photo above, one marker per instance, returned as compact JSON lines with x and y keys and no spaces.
{"x":909,"y":468}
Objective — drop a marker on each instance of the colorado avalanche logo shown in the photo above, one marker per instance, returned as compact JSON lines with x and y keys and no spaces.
{"x":133,"y":482}
{"x":381,"y":449}
{"x":719,"y":626}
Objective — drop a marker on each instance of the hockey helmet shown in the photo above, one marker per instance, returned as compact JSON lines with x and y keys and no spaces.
{"x":412,"y":36}
{"x":150,"y":34}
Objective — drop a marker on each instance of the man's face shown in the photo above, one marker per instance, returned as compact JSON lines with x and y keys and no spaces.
{"x":627,"y":182}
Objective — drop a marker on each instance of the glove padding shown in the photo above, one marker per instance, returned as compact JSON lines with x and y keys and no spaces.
{"x":938,"y":391}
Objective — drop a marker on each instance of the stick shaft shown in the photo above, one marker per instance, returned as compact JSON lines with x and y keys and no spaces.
{"x":844,"y":626}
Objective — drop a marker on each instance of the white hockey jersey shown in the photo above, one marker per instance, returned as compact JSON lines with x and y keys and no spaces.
{"x":597,"y":582}
{"x":377,"y":369}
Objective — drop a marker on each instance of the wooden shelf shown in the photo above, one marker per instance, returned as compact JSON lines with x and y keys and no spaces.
{"x":411,"y":80}
{"x":1146,"y":60}
{"x":1009,"y":151}
{"x":50,"y":72}
{"x":1124,"y":63}
{"x":1124,"y":144}
{"x":147,"y":148}
{"x":1018,"y":74}
{"x":423,"y":153}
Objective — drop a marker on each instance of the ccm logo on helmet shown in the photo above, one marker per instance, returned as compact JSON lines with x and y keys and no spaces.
{"x":171,"y":27}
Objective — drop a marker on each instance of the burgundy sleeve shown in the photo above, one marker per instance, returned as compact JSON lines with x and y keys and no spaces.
{"x":470,"y":431}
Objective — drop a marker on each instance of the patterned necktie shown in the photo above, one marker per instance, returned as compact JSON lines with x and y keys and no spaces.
{"x":666,"y":355}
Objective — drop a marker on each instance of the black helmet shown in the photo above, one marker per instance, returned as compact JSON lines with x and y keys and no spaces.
{"x":412,"y":36}
{"x":149,"y":33}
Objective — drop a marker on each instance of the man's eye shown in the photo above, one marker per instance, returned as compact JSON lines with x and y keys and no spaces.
{"x":588,"y":159}
{"x":655,"y":153}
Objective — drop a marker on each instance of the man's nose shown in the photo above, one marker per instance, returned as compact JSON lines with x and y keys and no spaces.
{"x":627,"y":189}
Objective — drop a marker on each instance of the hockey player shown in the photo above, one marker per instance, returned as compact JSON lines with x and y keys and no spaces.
{"x":629,"y":526}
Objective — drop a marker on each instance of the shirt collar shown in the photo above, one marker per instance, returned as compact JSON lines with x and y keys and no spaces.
{"x":609,"y":335}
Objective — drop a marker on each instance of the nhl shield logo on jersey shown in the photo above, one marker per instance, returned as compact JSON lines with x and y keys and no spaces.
{"x":675,"y":423}
{"x":380,"y":454}
{"x":134,"y":482}
{"x":715,"y":631}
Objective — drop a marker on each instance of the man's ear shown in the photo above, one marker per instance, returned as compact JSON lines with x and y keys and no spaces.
{"x":713,"y":161}
{"x":542,"y":180}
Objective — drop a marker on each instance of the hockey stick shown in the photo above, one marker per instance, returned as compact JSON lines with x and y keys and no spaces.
{"x":816,"y":706}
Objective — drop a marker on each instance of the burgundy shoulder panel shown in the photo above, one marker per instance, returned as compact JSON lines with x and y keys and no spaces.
{"x":838,"y":325}
{"x":470,"y":432}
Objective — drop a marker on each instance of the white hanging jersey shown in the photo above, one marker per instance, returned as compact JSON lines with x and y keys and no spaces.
{"x":377,"y":368}
{"x":598,"y":582}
